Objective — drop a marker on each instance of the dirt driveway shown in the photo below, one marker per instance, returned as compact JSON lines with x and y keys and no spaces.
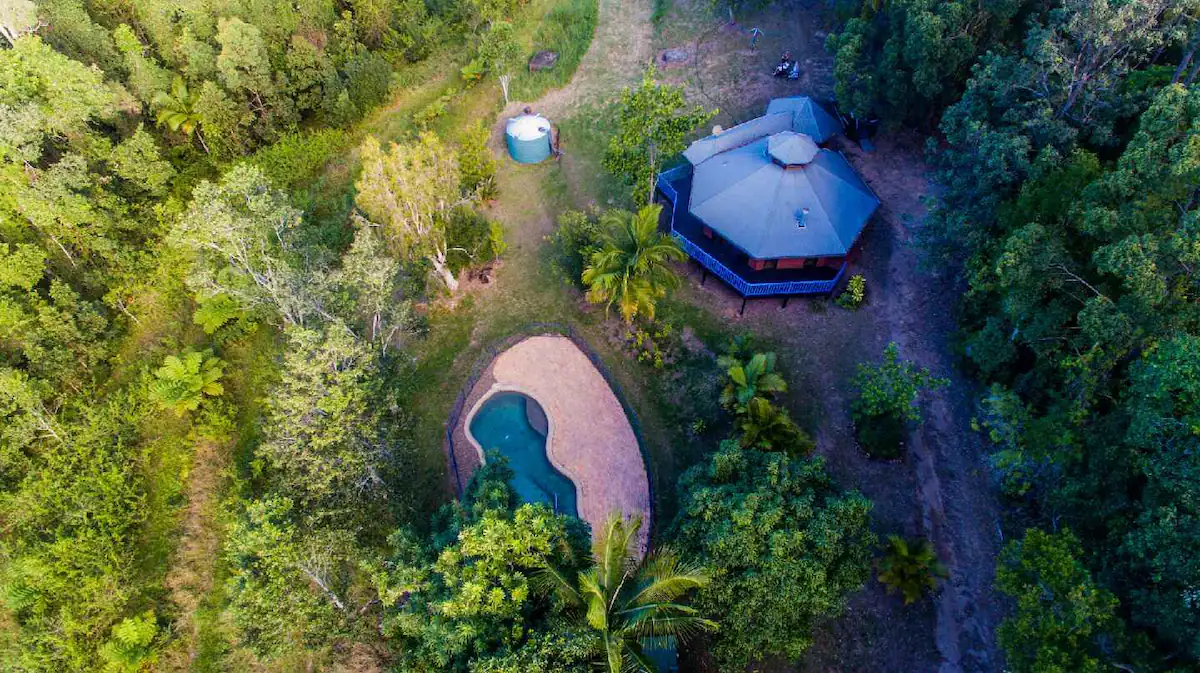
{"x":942,"y":490}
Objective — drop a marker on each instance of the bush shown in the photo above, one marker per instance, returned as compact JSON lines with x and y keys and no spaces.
{"x":437,"y":108}
{"x":476,"y":163}
{"x":573,"y":242}
{"x":910,"y":568}
{"x":887,"y":402}
{"x":368,"y":80}
{"x":294,"y":160}
{"x":472,"y":72}
{"x":881,"y":436}
{"x":183,"y":382}
{"x":855,"y":294}
{"x":471,"y":238}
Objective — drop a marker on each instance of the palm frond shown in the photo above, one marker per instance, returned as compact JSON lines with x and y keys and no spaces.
{"x":636,"y":661}
{"x":550,"y":581}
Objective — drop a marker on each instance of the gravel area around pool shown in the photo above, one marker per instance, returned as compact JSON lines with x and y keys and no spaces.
{"x":591,"y":439}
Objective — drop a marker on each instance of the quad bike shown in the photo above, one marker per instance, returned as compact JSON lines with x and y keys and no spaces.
{"x":788,"y":67}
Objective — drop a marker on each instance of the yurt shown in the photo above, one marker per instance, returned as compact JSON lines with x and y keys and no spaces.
{"x":528,"y":138}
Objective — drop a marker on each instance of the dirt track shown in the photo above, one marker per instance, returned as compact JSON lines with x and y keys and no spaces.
{"x":942,"y":490}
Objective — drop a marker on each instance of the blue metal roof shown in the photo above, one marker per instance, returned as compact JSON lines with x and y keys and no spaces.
{"x":808,"y":117}
{"x":810,"y":209}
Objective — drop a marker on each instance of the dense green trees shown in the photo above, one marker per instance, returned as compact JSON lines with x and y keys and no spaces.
{"x":784,"y":546}
{"x":143,"y":275}
{"x":465,"y":599}
{"x":1067,"y":164}
{"x":905,"y":60}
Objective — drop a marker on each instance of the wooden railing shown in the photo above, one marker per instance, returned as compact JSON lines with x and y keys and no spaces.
{"x":746,"y":289}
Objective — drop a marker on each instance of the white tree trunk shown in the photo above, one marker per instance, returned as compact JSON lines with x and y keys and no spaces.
{"x":443,"y":271}
{"x":504,"y":79}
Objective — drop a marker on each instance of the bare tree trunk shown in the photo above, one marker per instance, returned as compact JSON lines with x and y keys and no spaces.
{"x":1187,"y":59}
{"x":443,"y":271}
{"x":1192,"y":75}
{"x":333,"y":598}
{"x":202,"y":143}
{"x":504,"y":79}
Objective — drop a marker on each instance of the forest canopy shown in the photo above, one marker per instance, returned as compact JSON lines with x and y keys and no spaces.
{"x":1066,"y":152}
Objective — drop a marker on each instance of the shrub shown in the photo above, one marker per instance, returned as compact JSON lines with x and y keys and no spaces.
{"x":183,"y":382}
{"x":295,"y":159}
{"x":769,"y":428}
{"x":368,"y":80}
{"x":855,"y":294}
{"x":496,"y":243}
{"x":887,"y":401}
{"x":749,"y":378}
{"x":472,"y":72}
{"x":438,"y":108}
{"x":471,"y":238}
{"x":214,"y":311}
{"x":573,"y":242}
{"x":881,"y":436}
{"x":910,"y":568}
{"x":131,"y":648}
{"x":476,"y":163}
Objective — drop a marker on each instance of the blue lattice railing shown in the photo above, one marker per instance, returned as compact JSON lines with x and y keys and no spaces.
{"x":723,"y":272}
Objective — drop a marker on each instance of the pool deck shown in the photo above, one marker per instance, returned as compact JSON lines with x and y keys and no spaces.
{"x":591,"y":440}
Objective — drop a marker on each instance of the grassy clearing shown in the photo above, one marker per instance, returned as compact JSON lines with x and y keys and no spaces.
{"x":567,"y":29}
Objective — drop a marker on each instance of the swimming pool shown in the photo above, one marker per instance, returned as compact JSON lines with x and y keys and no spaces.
{"x":515,"y":425}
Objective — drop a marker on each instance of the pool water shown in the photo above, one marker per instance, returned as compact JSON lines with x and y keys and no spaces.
{"x":503,"y":423}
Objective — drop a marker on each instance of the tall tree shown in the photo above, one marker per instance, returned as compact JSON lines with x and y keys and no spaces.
{"x":239,"y":232}
{"x":325,"y":438}
{"x":410,"y":191}
{"x":785,"y":548}
{"x":1061,"y":617}
{"x":653,"y":122}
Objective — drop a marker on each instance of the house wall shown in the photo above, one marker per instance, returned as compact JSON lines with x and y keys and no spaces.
{"x":796,"y":263}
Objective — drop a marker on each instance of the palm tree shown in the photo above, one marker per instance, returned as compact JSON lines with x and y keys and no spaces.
{"x":747,"y":380}
{"x":632,"y":604}
{"x":631,"y":268}
{"x":176,"y":111}
{"x":911,"y":569}
{"x":767,"y":427}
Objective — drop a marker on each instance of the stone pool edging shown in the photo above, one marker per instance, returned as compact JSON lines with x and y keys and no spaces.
{"x":488,"y":394}
{"x":464,"y":456}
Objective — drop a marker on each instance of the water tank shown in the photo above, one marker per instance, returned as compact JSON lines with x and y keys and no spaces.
{"x":528,"y":138}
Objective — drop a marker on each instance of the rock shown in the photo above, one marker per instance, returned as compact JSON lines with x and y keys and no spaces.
{"x":543,"y":60}
{"x":674,"y":56}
